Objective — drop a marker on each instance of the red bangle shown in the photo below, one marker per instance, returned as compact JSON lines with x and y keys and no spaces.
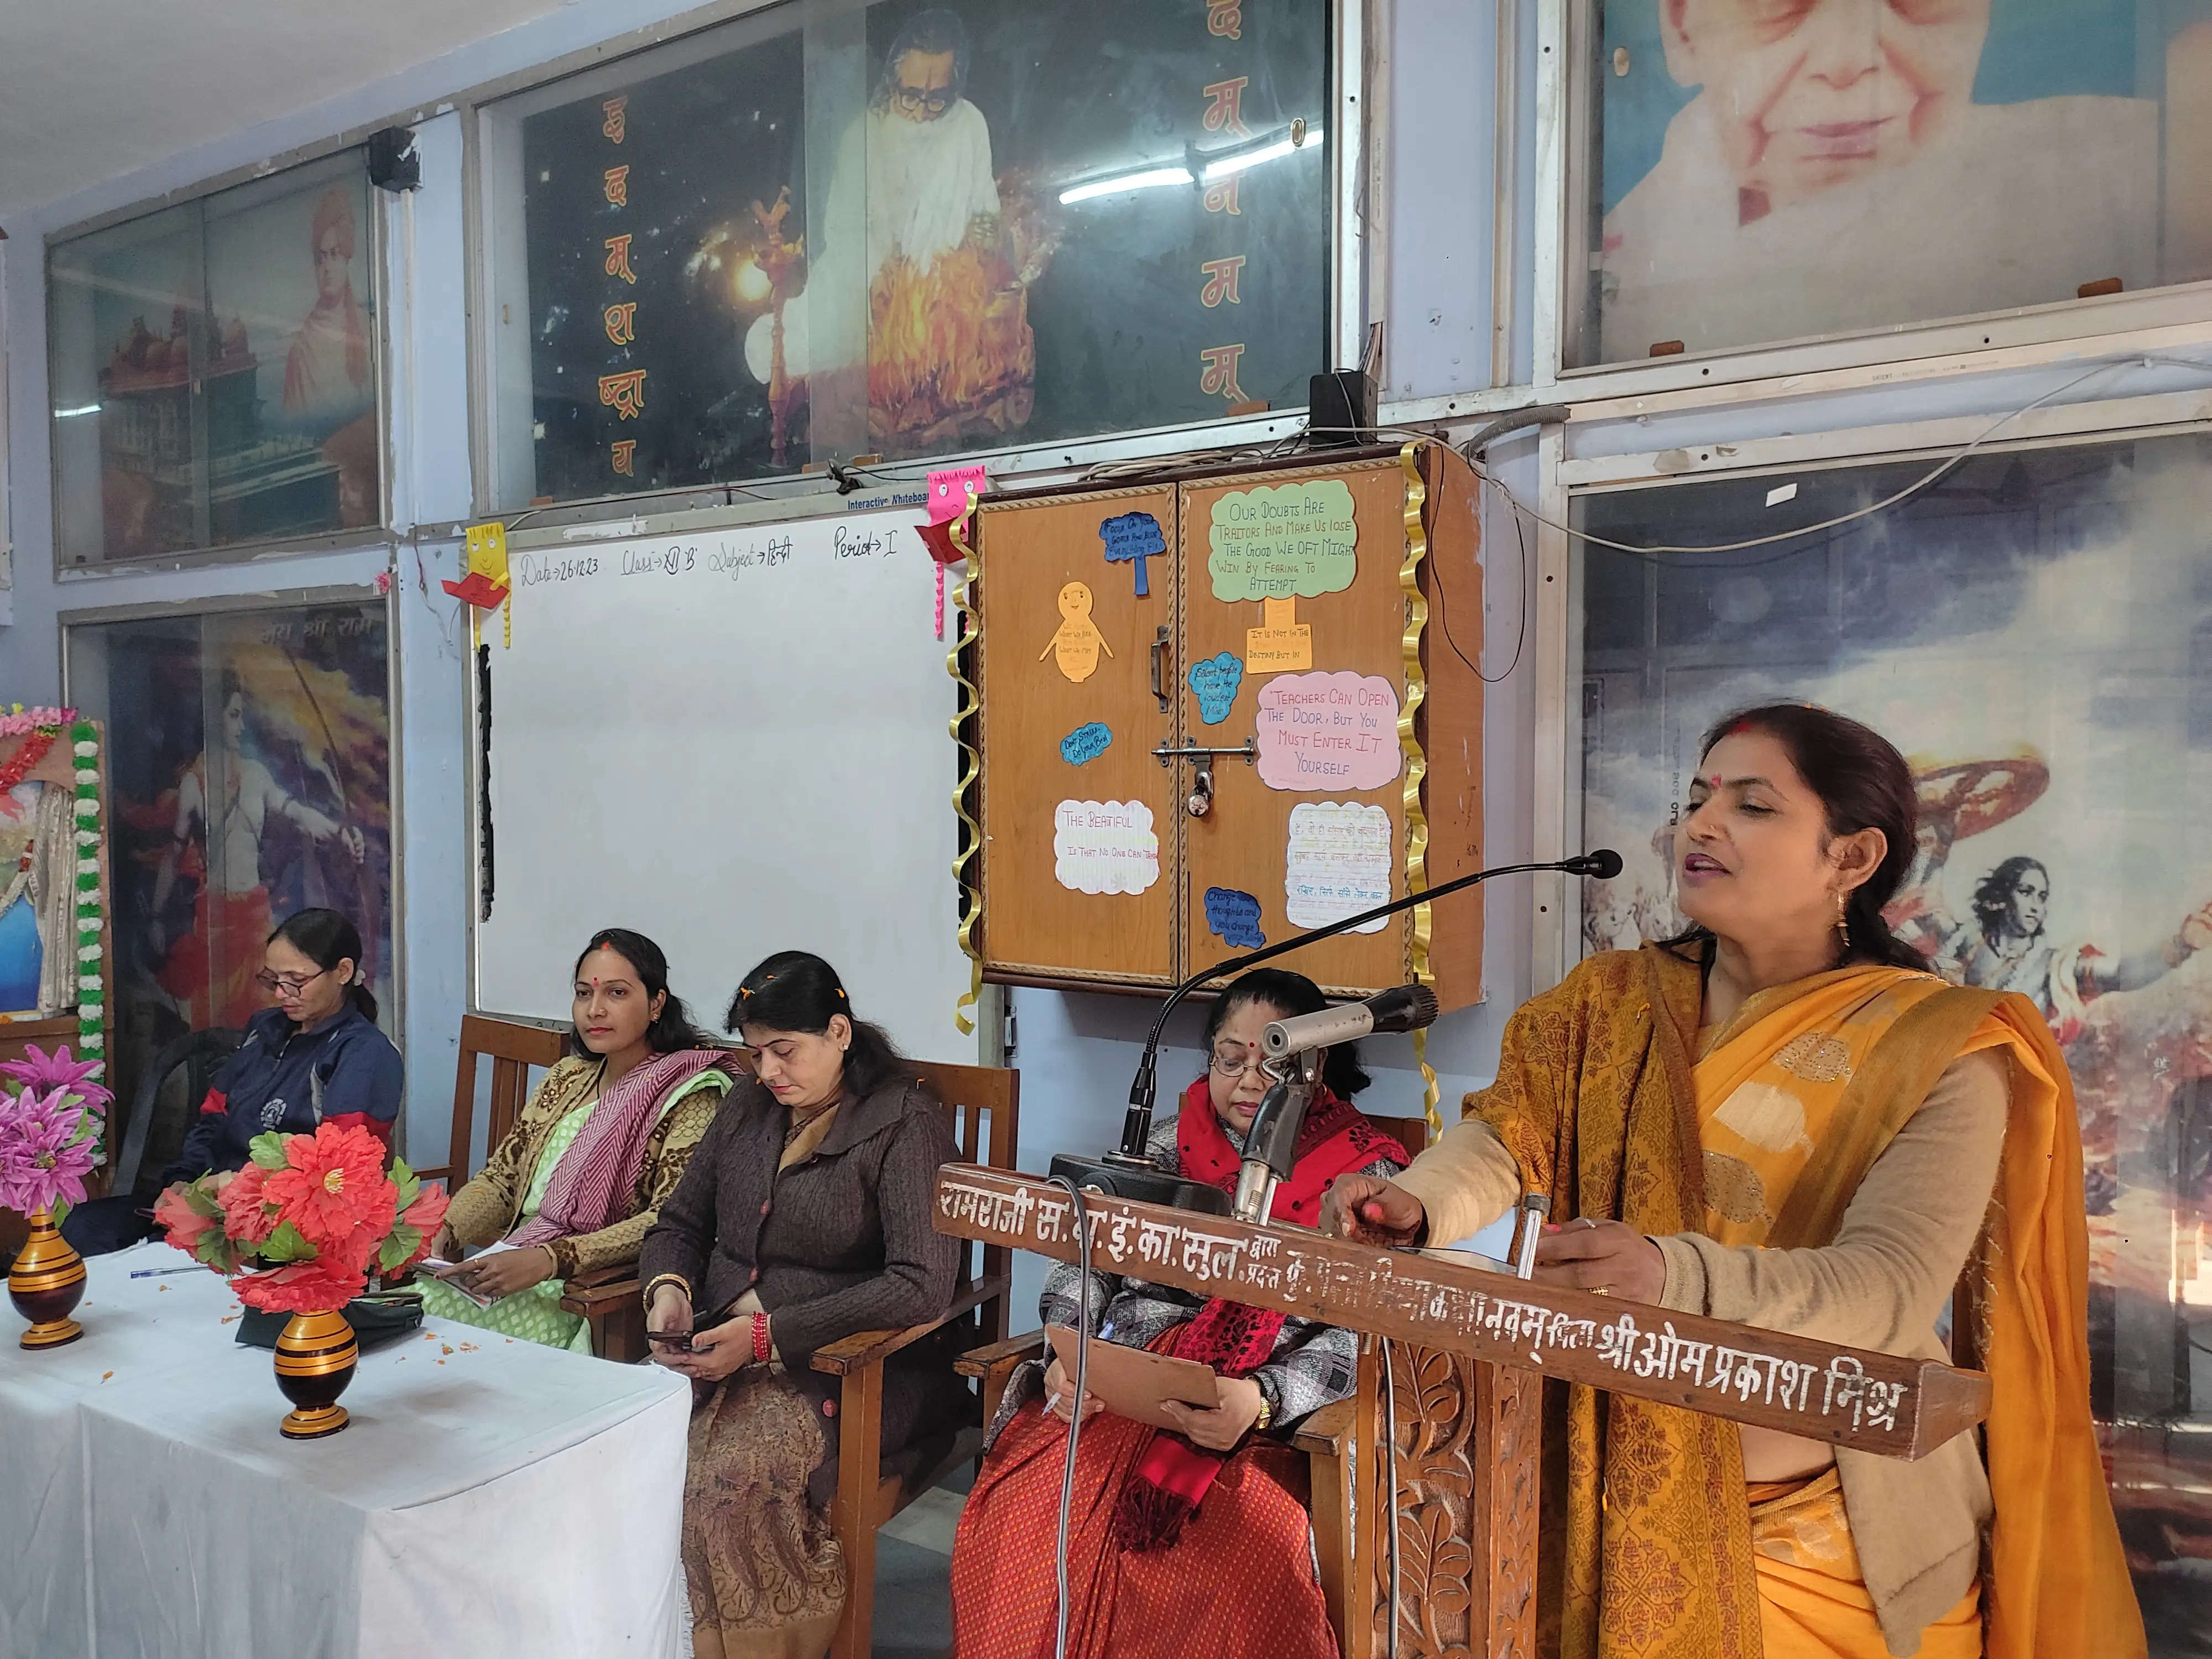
{"x":761,"y":1349}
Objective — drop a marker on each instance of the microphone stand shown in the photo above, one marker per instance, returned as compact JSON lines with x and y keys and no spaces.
{"x":1127,"y":1172}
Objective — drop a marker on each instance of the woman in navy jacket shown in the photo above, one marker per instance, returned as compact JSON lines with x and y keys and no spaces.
{"x":314,"y":1057}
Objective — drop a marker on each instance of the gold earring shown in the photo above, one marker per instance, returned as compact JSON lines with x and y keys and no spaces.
{"x":1843,"y":926}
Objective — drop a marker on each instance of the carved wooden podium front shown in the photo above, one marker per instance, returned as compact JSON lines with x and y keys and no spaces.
{"x":1469,"y":1349}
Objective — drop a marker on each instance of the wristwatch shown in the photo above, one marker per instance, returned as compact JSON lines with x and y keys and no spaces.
{"x":1266,"y":1412}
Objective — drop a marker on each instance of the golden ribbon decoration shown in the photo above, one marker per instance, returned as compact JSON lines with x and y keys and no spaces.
{"x":970,"y":706}
{"x":1417,"y":760}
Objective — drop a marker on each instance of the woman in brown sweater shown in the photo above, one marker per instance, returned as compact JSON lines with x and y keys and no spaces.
{"x":1782,"y":1118}
{"x":804,"y":1218}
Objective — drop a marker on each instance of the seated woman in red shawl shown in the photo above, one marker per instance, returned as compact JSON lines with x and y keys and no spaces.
{"x":1196,"y":1542}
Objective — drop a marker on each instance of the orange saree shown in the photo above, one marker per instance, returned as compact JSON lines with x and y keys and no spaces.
{"x":1648,"y":1546}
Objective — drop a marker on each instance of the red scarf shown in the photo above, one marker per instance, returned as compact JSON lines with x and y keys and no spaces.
{"x":1173,"y":1475}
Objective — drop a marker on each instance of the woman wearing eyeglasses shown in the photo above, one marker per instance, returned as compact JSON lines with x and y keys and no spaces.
{"x":1160,"y":1517}
{"x":315,"y":1056}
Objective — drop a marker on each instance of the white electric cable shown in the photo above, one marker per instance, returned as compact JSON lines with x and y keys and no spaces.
{"x":1075,"y":1409}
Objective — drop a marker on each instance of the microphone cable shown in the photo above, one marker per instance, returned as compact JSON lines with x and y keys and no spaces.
{"x":1390,"y":1476}
{"x":1075,"y":1411}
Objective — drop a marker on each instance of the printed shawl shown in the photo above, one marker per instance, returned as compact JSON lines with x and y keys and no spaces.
{"x":1646,"y":1545}
{"x":593,"y":1184}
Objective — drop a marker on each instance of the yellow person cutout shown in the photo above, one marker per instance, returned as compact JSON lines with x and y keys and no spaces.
{"x":1077,"y":642}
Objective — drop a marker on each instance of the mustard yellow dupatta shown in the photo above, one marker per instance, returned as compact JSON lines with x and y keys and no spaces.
{"x":1646,"y":1548}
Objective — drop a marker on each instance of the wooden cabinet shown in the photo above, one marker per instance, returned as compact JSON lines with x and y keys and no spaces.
{"x":1167,"y":777}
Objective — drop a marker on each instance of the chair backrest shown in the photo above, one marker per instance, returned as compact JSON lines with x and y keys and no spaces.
{"x":514,"y":1049}
{"x":199,"y":1055}
{"x":1412,"y":1133}
{"x":984,"y":1104}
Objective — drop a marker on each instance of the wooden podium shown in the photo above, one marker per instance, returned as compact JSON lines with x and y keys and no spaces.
{"x":1470,"y":1347}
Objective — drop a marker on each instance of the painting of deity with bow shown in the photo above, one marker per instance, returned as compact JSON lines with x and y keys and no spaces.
{"x":250,"y":767}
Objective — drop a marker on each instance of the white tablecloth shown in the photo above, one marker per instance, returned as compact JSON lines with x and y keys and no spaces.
{"x":490,"y":1497}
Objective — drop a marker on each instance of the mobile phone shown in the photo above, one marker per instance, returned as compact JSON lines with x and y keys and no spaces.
{"x":674,"y":1341}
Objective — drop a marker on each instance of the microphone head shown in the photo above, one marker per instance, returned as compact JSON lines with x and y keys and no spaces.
{"x":1426,"y":1008}
{"x":1603,"y":865}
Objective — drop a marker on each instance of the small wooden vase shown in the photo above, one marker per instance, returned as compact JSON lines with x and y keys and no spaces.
{"x":46,"y":1283}
{"x":315,"y":1360}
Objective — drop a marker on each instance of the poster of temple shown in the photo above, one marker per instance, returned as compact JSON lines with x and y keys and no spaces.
{"x":215,"y":369}
{"x":962,"y":228}
{"x":2034,"y":632}
{"x":1767,"y":173}
{"x":250,"y":778}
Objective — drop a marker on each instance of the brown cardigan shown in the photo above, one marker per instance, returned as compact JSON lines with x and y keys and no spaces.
{"x":840,"y":1243}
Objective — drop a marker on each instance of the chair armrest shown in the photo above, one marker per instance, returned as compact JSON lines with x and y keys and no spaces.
{"x":617,"y":1273}
{"x":1326,"y":1429}
{"x":444,"y":1172}
{"x":593,"y":1294}
{"x":981,"y":1362}
{"x":872,"y":1347}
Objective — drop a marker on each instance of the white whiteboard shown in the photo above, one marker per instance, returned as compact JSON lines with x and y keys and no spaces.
{"x":734,"y":742}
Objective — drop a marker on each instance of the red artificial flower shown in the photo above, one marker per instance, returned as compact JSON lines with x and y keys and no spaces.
{"x":428,"y":1211}
{"x":302,"y":1287}
{"x":175,"y":1216}
{"x":334,"y":1189}
{"x":246,"y":1215}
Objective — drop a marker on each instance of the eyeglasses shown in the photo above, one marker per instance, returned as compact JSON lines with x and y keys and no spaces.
{"x":911,"y":99}
{"x":1233,"y":1061}
{"x":290,"y":984}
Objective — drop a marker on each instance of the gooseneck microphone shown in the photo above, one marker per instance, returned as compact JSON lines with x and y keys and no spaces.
{"x":1408,"y":1008}
{"x":1126,"y":1172}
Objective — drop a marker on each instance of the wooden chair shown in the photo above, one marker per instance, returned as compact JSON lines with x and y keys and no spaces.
{"x":984,"y":1105}
{"x":1327,"y":1436}
{"x":514,"y":1049}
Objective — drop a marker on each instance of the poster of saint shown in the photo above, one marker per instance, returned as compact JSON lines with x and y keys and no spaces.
{"x":2031,"y":633}
{"x":962,"y":228}
{"x":250,"y":767}
{"x":215,"y":369}
{"x":1771,"y":171}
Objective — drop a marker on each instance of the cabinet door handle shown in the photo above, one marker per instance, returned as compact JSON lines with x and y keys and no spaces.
{"x":1159,"y":666}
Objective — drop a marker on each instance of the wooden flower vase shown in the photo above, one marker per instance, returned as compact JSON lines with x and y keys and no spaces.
{"x":315,"y":1359}
{"x":47,"y":1283}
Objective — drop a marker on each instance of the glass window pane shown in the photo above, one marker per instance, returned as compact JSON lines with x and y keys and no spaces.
{"x":827,"y":231}
{"x":214,"y":371}
{"x":124,"y":311}
{"x":292,"y":442}
{"x":250,"y":767}
{"x":2034,"y":632}
{"x":1763,"y":170}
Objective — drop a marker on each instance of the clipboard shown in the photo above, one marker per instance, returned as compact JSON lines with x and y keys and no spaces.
{"x":1133,"y":1382}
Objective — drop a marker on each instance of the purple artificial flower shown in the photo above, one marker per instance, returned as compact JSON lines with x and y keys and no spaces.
{"x":46,"y":1073}
{"x":44,"y":1154}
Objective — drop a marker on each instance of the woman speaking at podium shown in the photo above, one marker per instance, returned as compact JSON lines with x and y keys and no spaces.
{"x":1781,"y":1118}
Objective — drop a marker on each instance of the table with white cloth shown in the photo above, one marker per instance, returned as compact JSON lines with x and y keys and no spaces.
{"x":490,"y":1496}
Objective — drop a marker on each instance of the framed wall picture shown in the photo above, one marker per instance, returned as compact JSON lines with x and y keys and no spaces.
{"x":214,"y":371}
{"x":1750,"y":172}
{"x":2032,"y":631}
{"x":905,"y":230}
{"x":251,"y":776}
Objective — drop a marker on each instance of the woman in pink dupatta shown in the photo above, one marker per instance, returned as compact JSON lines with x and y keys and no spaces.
{"x":576,"y":1183}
